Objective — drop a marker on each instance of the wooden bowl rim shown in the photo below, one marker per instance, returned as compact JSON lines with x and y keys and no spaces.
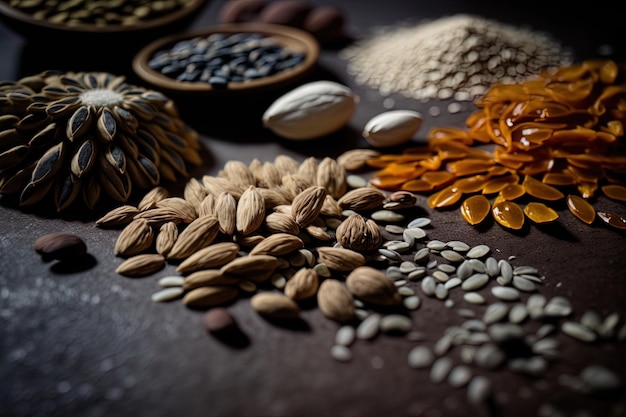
{"x":25,"y":18}
{"x":285,"y":35}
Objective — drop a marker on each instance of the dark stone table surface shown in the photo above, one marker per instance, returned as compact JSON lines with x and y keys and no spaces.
{"x":90,"y":343}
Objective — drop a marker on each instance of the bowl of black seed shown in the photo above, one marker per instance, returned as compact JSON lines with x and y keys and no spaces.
{"x":98,"y":20}
{"x":228,"y":59}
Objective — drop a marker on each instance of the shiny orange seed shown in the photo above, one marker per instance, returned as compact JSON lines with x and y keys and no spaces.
{"x":612,"y":219}
{"x":581,"y":208}
{"x":417,"y":186}
{"x":614,"y":191}
{"x":387,"y":182}
{"x":540,"y":213}
{"x":498,"y":184}
{"x":475,"y":209}
{"x":512,"y":191}
{"x":443,"y":198}
{"x":437,"y":178}
{"x":558,"y":178}
{"x":471,"y":184}
{"x":540,"y":190}
{"x":508,"y":214}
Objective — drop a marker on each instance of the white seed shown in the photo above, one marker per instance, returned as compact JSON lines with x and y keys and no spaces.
{"x":546,"y":347}
{"x":322,"y":270}
{"x":405,"y":291}
{"x":518,"y":313}
{"x":478,"y":251}
{"x":452,"y":283}
{"x":607,"y":329}
{"x":447,"y":268}
{"x":592,"y":319}
{"x":247,"y":286}
{"x":390,"y":254}
{"x":500,"y":332}
{"x":545,"y":330}
{"x":394,"y":229}
{"x":167,"y":294}
{"x":421,"y":255}
{"x":466,"y":312}
{"x":440,"y":370}
{"x":399,"y":283}
{"x":419,"y":222}
{"x":440,"y":276}
{"x":443,"y":345}
{"x":416,"y":233}
{"x":489,"y":356}
{"x":171,"y":281}
{"x":536,"y":301}
{"x":449,"y":303}
{"x":396,"y":323}
{"x":599,"y":378}
{"x":578,"y":331}
{"x":536,"y":366}
{"x":458,"y":246}
{"x":474,"y":325}
{"x":459,"y":376}
{"x":491,"y":267}
{"x":558,"y":307}
{"x":474,"y":298}
{"x":524,"y":284}
{"x":345,"y":336}
{"x":521,"y":270}
{"x":505,"y":293}
{"x":506,"y":270}
{"x":441,"y":292}
{"x":495,"y":312}
{"x":356,"y":181}
{"x":341,"y":353}
{"x":278,"y":280}
{"x":429,"y":286}
{"x":478,"y":338}
{"x":532,"y":278}
{"x":368,"y":328}
{"x":437,"y":245}
{"x":464,"y":270}
{"x":452,"y":256}
{"x":432,"y":264}
{"x":418,"y":274}
{"x":412,"y":302}
{"x":407,"y":267}
{"x":479,"y":390}
{"x":387,"y":216}
{"x":297,"y":259}
{"x":420,"y":357}
{"x":475,"y":282}
{"x":477,"y":265}
{"x":467,"y":353}
{"x":399,"y":246}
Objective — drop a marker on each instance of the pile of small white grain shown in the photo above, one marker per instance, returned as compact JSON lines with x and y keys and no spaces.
{"x":458,"y":56}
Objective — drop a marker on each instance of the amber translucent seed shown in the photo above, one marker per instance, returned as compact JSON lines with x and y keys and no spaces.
{"x":471,"y":184}
{"x":498,"y":184}
{"x":540,"y":190}
{"x":437,"y":178}
{"x":581,"y":208}
{"x":540,"y":213}
{"x":512,"y":191}
{"x":508,"y":214}
{"x":417,"y":186}
{"x":558,"y":178}
{"x":612,"y":219}
{"x":614,"y":191}
{"x":475,"y":209}
{"x":443,"y":198}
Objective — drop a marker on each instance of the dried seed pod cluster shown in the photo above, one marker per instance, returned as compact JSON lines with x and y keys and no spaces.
{"x":562,"y":130}
{"x":70,"y":137}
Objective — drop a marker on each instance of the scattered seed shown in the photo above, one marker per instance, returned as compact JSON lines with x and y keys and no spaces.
{"x":558,"y":307}
{"x":440,"y":276}
{"x":421,"y":255}
{"x":478,"y":251}
{"x":452,"y":256}
{"x":341,"y":353}
{"x":518,"y":313}
{"x":416,"y":233}
{"x":394,"y":228}
{"x":390,"y":254}
{"x":578,"y":331}
{"x":419,"y":222}
{"x":387,"y":216}
{"x":452,"y":283}
{"x":495,"y":312}
{"x":412,"y":302}
{"x":598,"y":378}
{"x":474,"y":298}
{"x":477,"y":265}
{"x":491,"y":267}
{"x":345,"y":336}
{"x":356,"y":181}
{"x":395,"y":323}
{"x":437,"y":245}
{"x":475,"y":282}
{"x":524,"y":284}
{"x":464,"y":270}
{"x":479,"y":390}
{"x":429,"y":286}
{"x":368,"y":328}
{"x":489,"y":356}
{"x":440,"y":369}
{"x":167,"y":294}
{"x":171,"y":281}
{"x":457,"y":245}
{"x":459,"y":376}
{"x":505,"y":293}
{"x":447,"y":268}
{"x":420,"y":357}
{"x":441,"y":292}
{"x":418,"y":274}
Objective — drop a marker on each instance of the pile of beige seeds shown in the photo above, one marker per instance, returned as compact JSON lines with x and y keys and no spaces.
{"x":283,"y":232}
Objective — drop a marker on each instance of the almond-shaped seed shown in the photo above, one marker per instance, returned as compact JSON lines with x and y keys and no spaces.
{"x":505,"y":293}
{"x":362,"y":199}
{"x":369,"y":327}
{"x":440,"y":369}
{"x":475,"y":282}
{"x":208,"y":277}
{"x":278,"y":244}
{"x":281,"y":223}
{"x":197,"y":235}
{"x":420,"y":357}
{"x":135,"y":238}
{"x":387,"y":216}
{"x":340,"y":259}
{"x":275,"y":305}
{"x":152,"y":197}
{"x":307,"y":205}
{"x":210,"y":296}
{"x":120,"y":216}
{"x":396,"y":324}
{"x":141,"y":265}
{"x":212,"y":256}
{"x":478,"y":251}
{"x":60,"y":246}
{"x":256,"y":268}
{"x":165,"y":239}
{"x":373,"y":287}
{"x":226,"y":212}
{"x":335,"y":301}
{"x":303,"y":284}
{"x":250,"y":211}
{"x":332,"y":177}
{"x":578,"y":331}
{"x":186,"y":210}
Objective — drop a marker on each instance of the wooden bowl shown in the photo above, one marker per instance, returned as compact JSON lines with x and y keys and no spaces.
{"x":290,"y":38}
{"x":41,"y":30}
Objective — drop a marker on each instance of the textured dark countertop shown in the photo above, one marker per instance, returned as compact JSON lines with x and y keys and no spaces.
{"x":89,"y":342}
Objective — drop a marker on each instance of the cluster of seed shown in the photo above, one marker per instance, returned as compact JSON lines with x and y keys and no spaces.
{"x":457,"y":56}
{"x":221,"y":58}
{"x":491,"y":335}
{"x":98,"y":13}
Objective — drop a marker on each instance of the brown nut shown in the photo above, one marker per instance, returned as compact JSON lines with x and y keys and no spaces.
{"x":60,"y":246}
